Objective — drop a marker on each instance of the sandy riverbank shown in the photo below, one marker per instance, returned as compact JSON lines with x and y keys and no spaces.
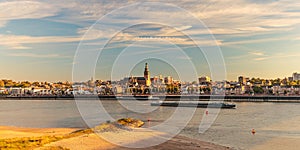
{"x":18,"y":132}
{"x":288,"y":142}
{"x":92,"y":141}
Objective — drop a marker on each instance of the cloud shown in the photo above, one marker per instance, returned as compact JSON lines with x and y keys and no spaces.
{"x":37,"y":55}
{"x":261,"y":58}
{"x":10,"y":10}
{"x":91,"y":33}
{"x":261,"y":40}
{"x":227,"y":17}
{"x":257,"y":53}
{"x":277,"y":56}
{"x":246,"y":14}
{"x":222,"y":17}
{"x":148,"y":32}
{"x":237,"y":15}
{"x":18,"y":41}
{"x":18,"y":46}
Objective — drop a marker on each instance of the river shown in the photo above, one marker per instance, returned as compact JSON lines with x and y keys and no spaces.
{"x":232,"y":127}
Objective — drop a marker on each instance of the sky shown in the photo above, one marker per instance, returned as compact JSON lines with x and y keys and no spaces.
{"x":110,"y":39}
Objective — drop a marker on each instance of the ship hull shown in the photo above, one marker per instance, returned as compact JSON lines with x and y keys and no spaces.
{"x":198,"y":105}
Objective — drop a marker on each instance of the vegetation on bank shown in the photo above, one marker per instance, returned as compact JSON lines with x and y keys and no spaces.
{"x":27,"y":143}
{"x":35,"y":142}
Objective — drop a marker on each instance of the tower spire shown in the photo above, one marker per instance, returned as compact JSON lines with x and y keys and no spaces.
{"x":147,"y":75}
{"x":146,"y":67}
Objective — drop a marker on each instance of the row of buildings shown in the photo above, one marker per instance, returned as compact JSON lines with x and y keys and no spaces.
{"x":136,"y":85}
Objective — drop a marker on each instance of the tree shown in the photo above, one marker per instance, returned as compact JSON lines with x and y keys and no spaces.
{"x":9,"y":84}
{"x":25,"y":84}
{"x":2,"y":83}
{"x":36,"y":84}
{"x":292,"y":83}
{"x":258,"y":90}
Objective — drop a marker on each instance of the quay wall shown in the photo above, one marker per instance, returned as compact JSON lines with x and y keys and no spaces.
{"x":231,"y":98}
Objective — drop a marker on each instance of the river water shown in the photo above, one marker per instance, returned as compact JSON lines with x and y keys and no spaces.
{"x":232,"y":127}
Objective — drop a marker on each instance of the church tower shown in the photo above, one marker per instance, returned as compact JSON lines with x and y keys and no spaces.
{"x":147,"y":75}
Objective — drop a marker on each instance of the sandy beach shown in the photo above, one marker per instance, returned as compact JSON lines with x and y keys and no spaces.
{"x":92,"y":141}
{"x":7,"y":132}
{"x":283,"y":142}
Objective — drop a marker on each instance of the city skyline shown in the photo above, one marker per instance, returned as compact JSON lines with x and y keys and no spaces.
{"x":258,"y":39}
{"x":157,"y":84}
{"x":295,"y":76}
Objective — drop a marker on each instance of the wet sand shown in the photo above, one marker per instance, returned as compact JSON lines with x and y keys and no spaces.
{"x":282,"y":143}
{"x":291,"y":142}
{"x":93,"y":141}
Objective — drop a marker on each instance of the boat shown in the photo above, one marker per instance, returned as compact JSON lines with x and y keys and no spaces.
{"x":194,"y":104}
{"x":138,"y":97}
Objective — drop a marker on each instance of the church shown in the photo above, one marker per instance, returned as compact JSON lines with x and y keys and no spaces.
{"x":140,"y":81}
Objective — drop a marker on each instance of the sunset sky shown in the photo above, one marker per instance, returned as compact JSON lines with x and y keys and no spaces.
{"x":38,"y":39}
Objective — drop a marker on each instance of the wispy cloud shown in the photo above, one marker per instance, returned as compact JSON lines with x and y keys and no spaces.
{"x":277,"y":56}
{"x":18,"y":41}
{"x":261,"y":58}
{"x":10,"y":10}
{"x":258,"y":40}
{"x":149,"y":33}
{"x":37,"y":55}
{"x":257,"y":53}
{"x":226,"y":16}
{"x":229,"y":17}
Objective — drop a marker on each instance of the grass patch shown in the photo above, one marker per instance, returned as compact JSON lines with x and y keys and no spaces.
{"x":34,"y":142}
{"x":27,"y":143}
{"x":55,"y":148}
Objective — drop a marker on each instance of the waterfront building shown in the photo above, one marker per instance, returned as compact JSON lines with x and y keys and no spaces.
{"x":139,"y":81}
{"x":157,"y":84}
{"x":242,"y":80}
{"x":296,"y":76}
{"x":240,"y":90}
{"x":41,"y":91}
{"x":204,"y":80}
{"x":15,"y":90}
{"x":156,"y":80}
{"x":168,"y":80}
{"x":118,"y":89}
{"x":136,"y":85}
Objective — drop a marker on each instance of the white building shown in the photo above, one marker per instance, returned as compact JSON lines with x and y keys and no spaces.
{"x":296,"y":76}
